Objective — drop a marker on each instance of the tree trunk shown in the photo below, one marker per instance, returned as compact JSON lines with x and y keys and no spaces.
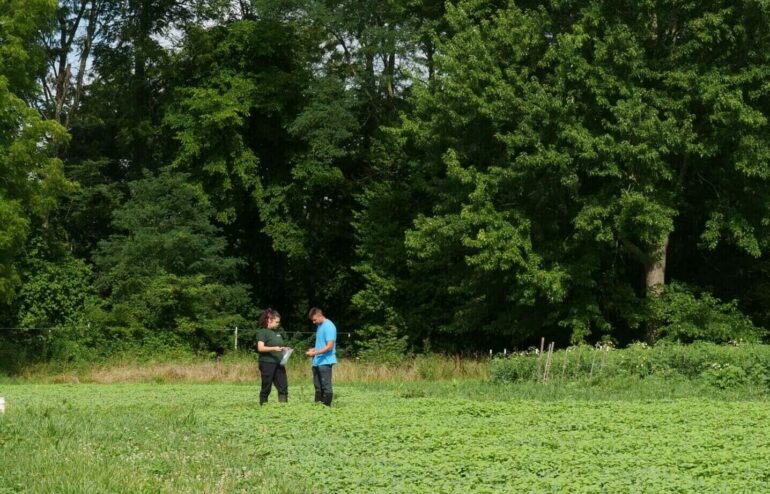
{"x":429,"y":51}
{"x":62,"y":68}
{"x":85,"y":53}
{"x":141,"y":87}
{"x":391,"y":75}
{"x":655,"y":280}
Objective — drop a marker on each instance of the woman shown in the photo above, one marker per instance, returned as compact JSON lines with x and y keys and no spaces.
{"x":270,"y":346}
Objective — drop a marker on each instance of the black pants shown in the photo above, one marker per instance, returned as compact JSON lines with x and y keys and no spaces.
{"x":322,"y":380}
{"x":273,"y":373}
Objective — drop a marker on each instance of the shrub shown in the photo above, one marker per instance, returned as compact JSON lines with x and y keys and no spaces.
{"x":382,"y":345}
{"x":724,"y":376}
{"x":718,"y":365}
{"x":687,"y":316}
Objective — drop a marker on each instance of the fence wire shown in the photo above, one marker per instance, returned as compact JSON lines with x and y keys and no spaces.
{"x":243,"y":333}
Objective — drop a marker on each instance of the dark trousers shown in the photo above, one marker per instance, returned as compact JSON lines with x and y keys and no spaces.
{"x":322,"y":380}
{"x":273,"y":373}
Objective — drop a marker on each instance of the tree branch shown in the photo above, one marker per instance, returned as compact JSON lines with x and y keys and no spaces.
{"x":634,"y":250}
{"x":84,"y":54}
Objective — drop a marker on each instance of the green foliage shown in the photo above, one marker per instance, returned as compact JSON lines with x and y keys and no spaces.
{"x":50,"y":306}
{"x":85,"y":214}
{"x":22,"y":57}
{"x":239,"y":88}
{"x":166,"y":271}
{"x":54,"y":290}
{"x":686,"y":317}
{"x":575,"y":141}
{"x":123,"y":107}
{"x":725,"y":376}
{"x":342,"y":203}
{"x":135,"y":437}
{"x":720,"y":365}
{"x":32,"y":173}
{"x":310,"y":209}
{"x":209,"y":123}
{"x":470,"y":174}
{"x":194,"y":438}
{"x":382,"y":345}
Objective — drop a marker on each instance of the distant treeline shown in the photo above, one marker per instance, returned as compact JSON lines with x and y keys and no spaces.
{"x":437,"y":176}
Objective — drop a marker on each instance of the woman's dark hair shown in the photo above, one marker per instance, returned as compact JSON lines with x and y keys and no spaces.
{"x":266,"y":315}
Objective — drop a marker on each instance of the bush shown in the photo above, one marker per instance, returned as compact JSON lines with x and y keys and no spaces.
{"x":718,"y":365}
{"x":53,"y":293}
{"x":687,"y":316}
{"x":382,"y":345}
{"x":724,"y":376}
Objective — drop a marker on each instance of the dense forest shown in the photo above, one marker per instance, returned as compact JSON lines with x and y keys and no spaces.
{"x":437,"y":176}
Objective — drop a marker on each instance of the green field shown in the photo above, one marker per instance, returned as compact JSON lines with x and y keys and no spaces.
{"x":456,"y":436}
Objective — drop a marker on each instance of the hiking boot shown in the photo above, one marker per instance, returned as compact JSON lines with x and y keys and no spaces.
{"x":327,"y":399}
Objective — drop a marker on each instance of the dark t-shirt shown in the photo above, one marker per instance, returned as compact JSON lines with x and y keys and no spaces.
{"x":271,"y":338}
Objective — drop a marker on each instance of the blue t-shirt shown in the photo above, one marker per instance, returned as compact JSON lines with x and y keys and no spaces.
{"x":324,"y":332}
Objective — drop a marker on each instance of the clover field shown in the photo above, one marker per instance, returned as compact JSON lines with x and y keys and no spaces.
{"x":427,"y":437}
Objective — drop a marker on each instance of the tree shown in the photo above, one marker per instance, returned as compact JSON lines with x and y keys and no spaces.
{"x":165,"y":272}
{"x":359,"y":85}
{"x":237,"y":88}
{"x":123,"y":105}
{"x":32,"y":178}
{"x":79,"y":23}
{"x":575,"y":138}
{"x":115,"y":114}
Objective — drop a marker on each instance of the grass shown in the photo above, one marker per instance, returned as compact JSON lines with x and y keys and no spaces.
{"x":242,"y":368}
{"x":455,"y":435}
{"x":430,"y":424}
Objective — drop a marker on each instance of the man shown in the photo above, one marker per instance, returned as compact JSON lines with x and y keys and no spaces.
{"x":324,"y":355}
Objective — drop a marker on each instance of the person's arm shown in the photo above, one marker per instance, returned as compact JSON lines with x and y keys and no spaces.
{"x":262,"y":348}
{"x":313,"y":352}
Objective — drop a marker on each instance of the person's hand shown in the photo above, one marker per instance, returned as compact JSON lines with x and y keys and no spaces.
{"x":279,"y":349}
{"x":310,"y":353}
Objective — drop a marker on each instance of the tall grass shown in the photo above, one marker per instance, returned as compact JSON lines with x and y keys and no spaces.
{"x":242,"y":367}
